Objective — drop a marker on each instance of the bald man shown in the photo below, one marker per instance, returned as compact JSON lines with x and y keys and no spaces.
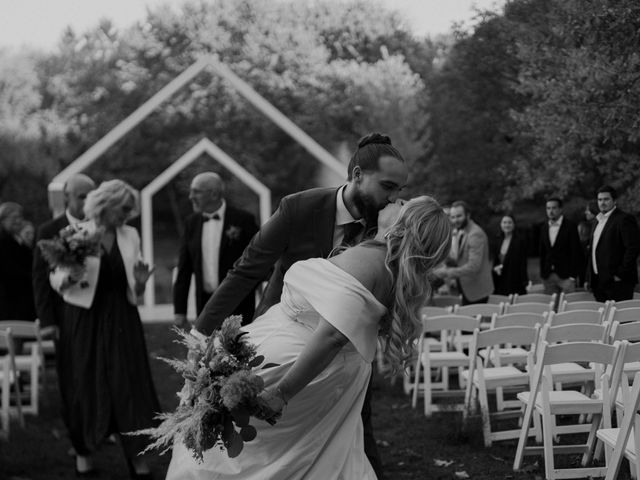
{"x":215,"y":235}
{"x":48,"y":302}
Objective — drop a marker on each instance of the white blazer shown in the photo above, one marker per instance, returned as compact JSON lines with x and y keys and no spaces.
{"x":129,"y":245}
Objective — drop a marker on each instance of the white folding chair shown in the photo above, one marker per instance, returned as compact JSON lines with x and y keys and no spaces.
{"x":548,"y":403}
{"x":8,"y":381}
{"x":535,"y":298}
{"x":575,"y":316}
{"x":434,"y":344}
{"x":496,"y":298}
{"x":30,"y":364}
{"x":482,"y":379}
{"x":576,"y":297}
{"x":586,"y":305}
{"x":529,"y":307}
{"x":623,"y":315}
{"x":486,"y":312}
{"x":534,"y":287}
{"x":447,"y":326}
{"x":623,"y":441}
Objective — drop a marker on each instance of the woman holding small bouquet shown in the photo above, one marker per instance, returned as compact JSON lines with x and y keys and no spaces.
{"x":319,"y":342}
{"x":105,"y":379}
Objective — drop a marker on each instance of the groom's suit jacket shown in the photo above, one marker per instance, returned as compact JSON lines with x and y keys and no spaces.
{"x":237,"y":229}
{"x":49,"y":305}
{"x":301,"y":228}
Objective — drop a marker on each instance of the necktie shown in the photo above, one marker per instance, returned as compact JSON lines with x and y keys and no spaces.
{"x":460,"y":237}
{"x":351,"y":232}
{"x":206,"y":218}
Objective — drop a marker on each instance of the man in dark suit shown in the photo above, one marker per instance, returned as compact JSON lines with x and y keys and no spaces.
{"x":615,"y":244}
{"x":49,"y":304}
{"x":310,"y":224}
{"x":215,"y":236}
{"x":561,"y":258}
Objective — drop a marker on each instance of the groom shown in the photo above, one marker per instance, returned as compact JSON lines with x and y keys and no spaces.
{"x":310,"y":224}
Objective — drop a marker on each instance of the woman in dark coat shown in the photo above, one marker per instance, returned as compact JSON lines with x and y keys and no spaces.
{"x":16,"y":291}
{"x":509,"y":259}
{"x":105,"y":377}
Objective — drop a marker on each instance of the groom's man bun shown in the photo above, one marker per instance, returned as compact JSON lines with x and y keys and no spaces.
{"x":370,"y":148}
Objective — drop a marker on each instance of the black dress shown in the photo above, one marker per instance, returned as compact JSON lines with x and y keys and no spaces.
{"x":514,"y":276}
{"x":16,"y":289}
{"x":106,"y":382}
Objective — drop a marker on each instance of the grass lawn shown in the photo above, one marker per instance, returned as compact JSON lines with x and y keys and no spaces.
{"x":410,"y":444}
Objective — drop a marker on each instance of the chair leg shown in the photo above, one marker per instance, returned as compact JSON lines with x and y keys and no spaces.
{"x":547,"y":443}
{"x":587,"y":457}
{"x":484,"y":411}
{"x":524,"y":435}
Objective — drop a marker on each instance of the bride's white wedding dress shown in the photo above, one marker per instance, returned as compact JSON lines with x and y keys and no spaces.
{"x":319,"y":436}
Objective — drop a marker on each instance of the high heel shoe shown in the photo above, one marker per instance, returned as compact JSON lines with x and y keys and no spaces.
{"x":91,"y":472}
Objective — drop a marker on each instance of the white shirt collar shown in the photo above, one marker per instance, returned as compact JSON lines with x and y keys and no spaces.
{"x":342,"y":213}
{"x":71,"y":219}
{"x":601,"y":217}
{"x":556,"y":223}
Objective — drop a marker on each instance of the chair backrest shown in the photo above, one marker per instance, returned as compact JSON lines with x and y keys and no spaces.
{"x":534,"y":287}
{"x":450,"y":322}
{"x":575,"y":332}
{"x":445,"y":300}
{"x":22,"y":329}
{"x":535,"y":297}
{"x":629,"y":331}
{"x":517,"y":320}
{"x":584,"y":305}
{"x":623,"y":315}
{"x":435,"y":311}
{"x":576,"y":297}
{"x":528,"y":307}
{"x":482,"y":309}
{"x":636,"y":295}
{"x":600,"y":353}
{"x":496,"y":298}
{"x":575,"y":316}
{"x":634,"y":303}
{"x":506,"y":335}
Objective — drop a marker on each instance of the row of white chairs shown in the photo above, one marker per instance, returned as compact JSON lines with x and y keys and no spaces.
{"x":26,"y":363}
{"x":490,"y":368}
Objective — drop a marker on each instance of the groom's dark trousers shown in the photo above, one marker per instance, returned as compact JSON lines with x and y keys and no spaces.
{"x":300,"y":229}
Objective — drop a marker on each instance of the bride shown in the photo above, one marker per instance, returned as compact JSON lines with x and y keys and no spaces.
{"x":323,"y":336}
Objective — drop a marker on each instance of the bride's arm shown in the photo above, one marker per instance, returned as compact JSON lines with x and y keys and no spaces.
{"x":321,"y":349}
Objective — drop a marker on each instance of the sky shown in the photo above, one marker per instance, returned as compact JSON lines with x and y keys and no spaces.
{"x":39,"y":23}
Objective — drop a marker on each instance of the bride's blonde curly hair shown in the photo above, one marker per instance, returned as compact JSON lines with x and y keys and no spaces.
{"x":417,"y":242}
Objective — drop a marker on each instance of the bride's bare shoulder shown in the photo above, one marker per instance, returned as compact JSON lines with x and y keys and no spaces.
{"x":366,"y":264}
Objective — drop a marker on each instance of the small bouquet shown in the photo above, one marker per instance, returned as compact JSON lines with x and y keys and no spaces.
{"x":220,"y":394}
{"x":68,"y":251}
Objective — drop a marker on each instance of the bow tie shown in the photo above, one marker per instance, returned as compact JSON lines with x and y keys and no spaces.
{"x":554,"y":223}
{"x":206,"y":218}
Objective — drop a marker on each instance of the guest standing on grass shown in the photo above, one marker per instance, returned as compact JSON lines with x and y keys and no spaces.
{"x":615,"y":244}
{"x":214,"y":237}
{"x":105,"y":376}
{"x":561,"y":254}
{"x":16,"y":292}
{"x":509,"y":253}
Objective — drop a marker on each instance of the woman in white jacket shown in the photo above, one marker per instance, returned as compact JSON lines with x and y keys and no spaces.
{"x":106,"y":383}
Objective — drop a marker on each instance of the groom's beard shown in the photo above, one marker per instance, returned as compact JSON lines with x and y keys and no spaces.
{"x":369,"y":212}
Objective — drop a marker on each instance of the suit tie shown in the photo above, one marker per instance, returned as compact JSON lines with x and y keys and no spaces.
{"x":459,"y":239}
{"x":206,"y":217}
{"x":351,"y":233}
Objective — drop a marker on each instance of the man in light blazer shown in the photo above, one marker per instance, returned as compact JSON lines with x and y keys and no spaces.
{"x":561,"y":258}
{"x":615,"y":244}
{"x":310,"y":224}
{"x":473,"y":265}
{"x":49,"y":304}
{"x":215,"y":235}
